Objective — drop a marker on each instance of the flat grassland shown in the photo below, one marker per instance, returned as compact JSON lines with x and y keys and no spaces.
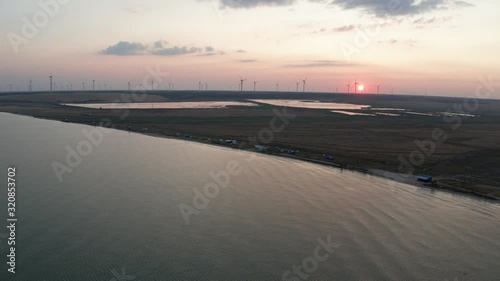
{"x":468,"y":160}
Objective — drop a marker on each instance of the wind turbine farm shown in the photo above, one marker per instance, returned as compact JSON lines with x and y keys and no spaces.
{"x":301,"y":85}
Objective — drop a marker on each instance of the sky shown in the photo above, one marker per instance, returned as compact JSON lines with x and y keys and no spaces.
{"x":421,"y":47}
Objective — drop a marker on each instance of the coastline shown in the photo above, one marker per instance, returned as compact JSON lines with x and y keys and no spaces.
{"x":380,"y":173}
{"x":393,"y":176}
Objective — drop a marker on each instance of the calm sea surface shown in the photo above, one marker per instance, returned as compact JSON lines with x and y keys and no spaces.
{"x":116,"y":216}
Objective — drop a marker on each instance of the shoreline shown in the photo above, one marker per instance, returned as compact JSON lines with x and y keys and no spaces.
{"x":383,"y":174}
{"x":380,"y":173}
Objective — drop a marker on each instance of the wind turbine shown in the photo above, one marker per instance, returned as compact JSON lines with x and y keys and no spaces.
{"x":278,"y":86}
{"x":254,"y":85}
{"x":152,"y":85}
{"x":50,"y":76}
{"x":378,"y":89}
{"x":83,"y":86}
{"x":241,"y":83}
{"x":356,"y":86}
{"x":304,"y":85}
{"x":297,"y":85}
{"x":199,"y":85}
{"x":349,"y":87}
{"x":129,"y":86}
{"x":93,"y":85}
{"x":30,"y":87}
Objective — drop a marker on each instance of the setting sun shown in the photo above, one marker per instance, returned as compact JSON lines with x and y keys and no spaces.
{"x":361,"y":88}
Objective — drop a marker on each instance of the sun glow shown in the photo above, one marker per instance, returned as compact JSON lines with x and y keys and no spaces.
{"x":361,"y":88}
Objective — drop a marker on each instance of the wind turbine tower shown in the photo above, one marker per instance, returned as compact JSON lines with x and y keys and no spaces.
{"x":31,"y":87}
{"x":50,"y":82}
{"x":241,"y":83}
{"x":254,"y":85}
{"x":93,"y":85}
{"x":304,"y":85}
{"x":356,"y":86}
{"x":297,"y":86}
{"x":378,"y":89}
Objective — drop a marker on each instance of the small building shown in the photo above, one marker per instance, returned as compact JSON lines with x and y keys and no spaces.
{"x":424,"y":178}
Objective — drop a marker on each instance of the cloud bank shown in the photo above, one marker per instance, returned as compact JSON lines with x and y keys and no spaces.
{"x":321,"y":63}
{"x":254,"y":3}
{"x":158,"y":48}
{"x":384,"y":8}
{"x":380,"y":8}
